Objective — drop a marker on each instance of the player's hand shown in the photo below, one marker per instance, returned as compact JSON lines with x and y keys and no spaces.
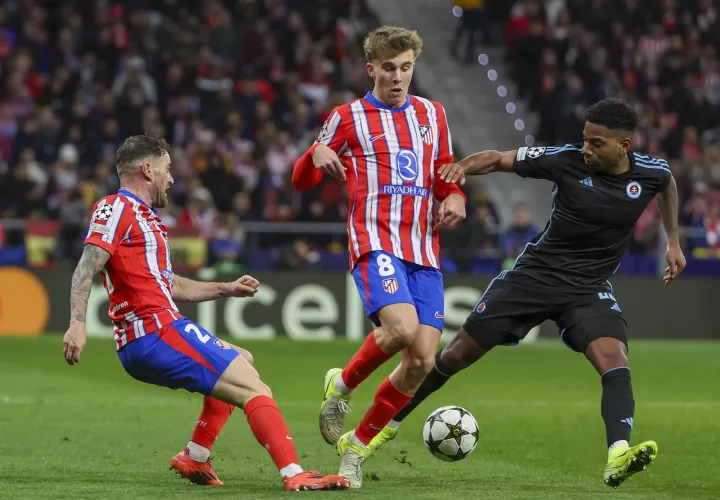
{"x":326,"y":161}
{"x":451,"y":212}
{"x":452,"y":173}
{"x":676,"y":262}
{"x":247,"y":286}
{"x":74,"y":342}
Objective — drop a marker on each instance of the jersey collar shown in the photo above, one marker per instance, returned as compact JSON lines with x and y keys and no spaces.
{"x":631,"y":159}
{"x":127,"y":193}
{"x":379,"y":104}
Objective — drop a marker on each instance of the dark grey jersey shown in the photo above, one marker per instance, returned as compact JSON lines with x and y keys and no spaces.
{"x":593,"y":214}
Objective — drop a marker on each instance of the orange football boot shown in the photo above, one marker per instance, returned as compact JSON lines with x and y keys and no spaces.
{"x":313,"y":480}
{"x":197,"y":472}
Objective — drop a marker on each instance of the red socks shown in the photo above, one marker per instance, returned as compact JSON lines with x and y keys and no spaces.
{"x":388,"y":401}
{"x":213,"y":417}
{"x":365,"y":361}
{"x":268,"y":427}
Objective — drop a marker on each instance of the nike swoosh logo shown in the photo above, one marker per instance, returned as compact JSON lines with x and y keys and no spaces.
{"x":376,"y":428}
{"x":373,"y":139}
{"x":438,"y":315}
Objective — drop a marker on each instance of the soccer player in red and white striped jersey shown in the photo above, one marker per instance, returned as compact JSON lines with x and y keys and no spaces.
{"x":388,"y":146}
{"x":127,"y":243}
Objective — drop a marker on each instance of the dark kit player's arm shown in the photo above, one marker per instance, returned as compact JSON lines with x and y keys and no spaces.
{"x":93,"y":259}
{"x":482,"y":163}
{"x":668,"y":203}
{"x":187,"y":290}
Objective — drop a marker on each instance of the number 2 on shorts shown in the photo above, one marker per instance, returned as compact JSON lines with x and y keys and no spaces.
{"x":194,"y":329}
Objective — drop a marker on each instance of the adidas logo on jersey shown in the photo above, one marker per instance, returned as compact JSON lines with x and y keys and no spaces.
{"x":587,"y":181}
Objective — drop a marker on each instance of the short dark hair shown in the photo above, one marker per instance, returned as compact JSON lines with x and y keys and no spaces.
{"x":140,"y":147}
{"x":613,"y":113}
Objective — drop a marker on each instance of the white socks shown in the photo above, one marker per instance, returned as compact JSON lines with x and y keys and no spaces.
{"x":202,"y":454}
{"x":341,"y":388}
{"x":291,"y":470}
{"x":197,"y":452}
{"x":393,"y":424}
{"x":354,"y":440}
{"x":616,"y":444}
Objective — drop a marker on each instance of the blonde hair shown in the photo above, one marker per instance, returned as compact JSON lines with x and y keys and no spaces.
{"x":387,"y":42}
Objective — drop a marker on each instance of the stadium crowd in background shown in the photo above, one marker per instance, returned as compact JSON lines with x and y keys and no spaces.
{"x":237,"y":88}
{"x":660,"y":55}
{"x":240,"y":87}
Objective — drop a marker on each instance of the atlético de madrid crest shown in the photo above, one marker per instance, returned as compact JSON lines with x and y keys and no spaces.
{"x":426,"y":132}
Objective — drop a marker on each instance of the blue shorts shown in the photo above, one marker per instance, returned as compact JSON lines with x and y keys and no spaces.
{"x":383,"y":279}
{"x":181,"y":355}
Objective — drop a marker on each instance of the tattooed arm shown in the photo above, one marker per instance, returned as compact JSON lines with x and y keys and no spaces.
{"x":92,"y":260}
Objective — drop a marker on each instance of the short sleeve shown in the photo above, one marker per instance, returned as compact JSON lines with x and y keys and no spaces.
{"x":444,"y":153}
{"x":332,"y":133}
{"x":109,"y":223}
{"x":540,"y":162}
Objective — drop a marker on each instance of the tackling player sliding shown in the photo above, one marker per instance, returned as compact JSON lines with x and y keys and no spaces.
{"x":127,"y":243}
{"x":388,"y":146}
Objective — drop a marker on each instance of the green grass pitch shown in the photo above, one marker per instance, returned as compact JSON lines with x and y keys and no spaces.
{"x":92,"y":432}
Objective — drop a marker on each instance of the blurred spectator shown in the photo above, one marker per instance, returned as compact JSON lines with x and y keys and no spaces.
{"x":200,"y":213}
{"x":471,"y":15}
{"x":519,"y":233}
{"x":238,"y":88}
{"x":476,"y":236}
{"x":226,"y":247}
{"x":297,"y":256}
{"x":73,"y":217}
{"x":660,"y":56}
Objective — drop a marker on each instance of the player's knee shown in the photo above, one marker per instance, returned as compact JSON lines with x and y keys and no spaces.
{"x":461,"y":352}
{"x":417,"y":367}
{"x":245,"y":354}
{"x":425,"y":363}
{"x":607,"y":353}
{"x":248,"y":356}
{"x":456,"y":359}
{"x":404,"y":332}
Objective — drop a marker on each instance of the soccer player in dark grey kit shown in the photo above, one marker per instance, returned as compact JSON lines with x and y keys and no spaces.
{"x":600,"y":190}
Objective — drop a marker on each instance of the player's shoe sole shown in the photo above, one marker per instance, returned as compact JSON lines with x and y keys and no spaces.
{"x":333,"y":409}
{"x":314,"y":481}
{"x":633,"y":460}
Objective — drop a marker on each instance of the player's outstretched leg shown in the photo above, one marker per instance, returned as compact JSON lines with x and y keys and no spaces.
{"x":401,"y":331}
{"x":193,"y":462}
{"x":609,"y":357}
{"x":457,"y":355}
{"x":185,"y":355}
{"x":241,"y":386}
{"x":340,"y":383}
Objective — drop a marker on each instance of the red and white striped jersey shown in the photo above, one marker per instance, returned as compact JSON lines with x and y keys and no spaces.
{"x":391,"y":156}
{"x":138,"y":276}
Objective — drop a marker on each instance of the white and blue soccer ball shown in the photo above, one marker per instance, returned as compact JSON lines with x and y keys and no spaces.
{"x":451,"y":433}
